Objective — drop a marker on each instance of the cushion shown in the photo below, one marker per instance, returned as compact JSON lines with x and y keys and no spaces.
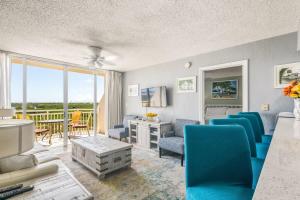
{"x":257,"y":165}
{"x":233,"y":111}
{"x":216,"y":110}
{"x":117,"y":133}
{"x":127,"y":118}
{"x":174,"y":144}
{"x":17,"y":162}
{"x":180,"y":123}
{"x":261,"y":150}
{"x":266,"y":139}
{"x":219,"y":192}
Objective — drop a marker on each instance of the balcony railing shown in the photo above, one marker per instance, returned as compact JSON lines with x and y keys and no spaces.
{"x":87,"y":116}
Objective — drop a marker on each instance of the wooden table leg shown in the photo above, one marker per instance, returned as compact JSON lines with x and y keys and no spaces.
{"x":51,"y":133}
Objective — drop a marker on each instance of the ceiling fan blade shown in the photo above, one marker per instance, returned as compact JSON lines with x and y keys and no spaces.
{"x":106,"y":63}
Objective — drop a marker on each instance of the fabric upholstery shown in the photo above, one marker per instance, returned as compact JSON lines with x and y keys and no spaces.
{"x":262,"y":150}
{"x":257,"y":165}
{"x":247,"y":126}
{"x":174,"y":144}
{"x":265,"y":138}
{"x":217,"y":154}
{"x":180,"y":123}
{"x":218,"y":164}
{"x":18,"y":162}
{"x":254,"y":122}
{"x":121,"y":130}
{"x":218,"y":192}
{"x":127,"y":118}
{"x":118,"y":133}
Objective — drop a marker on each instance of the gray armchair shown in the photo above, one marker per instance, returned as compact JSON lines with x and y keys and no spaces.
{"x":173,"y":141}
{"x":121,"y":131}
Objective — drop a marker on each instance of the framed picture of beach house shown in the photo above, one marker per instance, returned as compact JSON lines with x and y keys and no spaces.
{"x":283,"y":74}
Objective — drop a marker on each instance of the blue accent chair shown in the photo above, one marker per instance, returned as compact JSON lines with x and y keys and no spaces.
{"x":122,"y":130}
{"x":265,"y":138}
{"x":261,"y":148}
{"x":257,"y":163}
{"x":218,"y":163}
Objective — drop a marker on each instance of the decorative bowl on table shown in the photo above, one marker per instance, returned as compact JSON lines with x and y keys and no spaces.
{"x":150,"y":116}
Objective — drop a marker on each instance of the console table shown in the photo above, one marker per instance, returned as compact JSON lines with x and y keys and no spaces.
{"x":280,"y":176}
{"x":146,"y":133}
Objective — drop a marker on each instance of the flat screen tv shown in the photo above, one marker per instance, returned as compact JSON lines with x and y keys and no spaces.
{"x":154,"y":97}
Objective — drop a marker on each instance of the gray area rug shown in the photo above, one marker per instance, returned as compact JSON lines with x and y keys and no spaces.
{"x":148,"y":178}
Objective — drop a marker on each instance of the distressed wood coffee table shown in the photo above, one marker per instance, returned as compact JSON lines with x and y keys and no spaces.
{"x":100,"y":154}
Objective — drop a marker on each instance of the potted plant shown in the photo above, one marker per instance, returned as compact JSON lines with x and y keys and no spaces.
{"x":293,"y":91}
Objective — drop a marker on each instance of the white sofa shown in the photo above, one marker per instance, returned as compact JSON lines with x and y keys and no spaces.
{"x":51,"y":179}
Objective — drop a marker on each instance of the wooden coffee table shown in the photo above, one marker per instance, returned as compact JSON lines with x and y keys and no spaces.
{"x":101,"y":154}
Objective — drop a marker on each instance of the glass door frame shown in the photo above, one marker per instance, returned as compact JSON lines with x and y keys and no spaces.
{"x":65,"y":93}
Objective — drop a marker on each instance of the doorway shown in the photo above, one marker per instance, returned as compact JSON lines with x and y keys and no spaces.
{"x":223,"y":90}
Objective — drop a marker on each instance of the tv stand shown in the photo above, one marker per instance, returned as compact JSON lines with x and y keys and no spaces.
{"x":147,"y":133}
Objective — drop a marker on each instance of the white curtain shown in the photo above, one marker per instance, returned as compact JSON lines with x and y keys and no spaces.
{"x":113,"y":99}
{"x":4,"y":81}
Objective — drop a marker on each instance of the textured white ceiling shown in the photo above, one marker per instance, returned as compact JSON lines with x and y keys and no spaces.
{"x":140,"y":32}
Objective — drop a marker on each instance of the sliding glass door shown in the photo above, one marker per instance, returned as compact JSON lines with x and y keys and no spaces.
{"x":61,"y":99}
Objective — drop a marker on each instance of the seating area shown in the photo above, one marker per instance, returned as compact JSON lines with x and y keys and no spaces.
{"x":149,"y":100}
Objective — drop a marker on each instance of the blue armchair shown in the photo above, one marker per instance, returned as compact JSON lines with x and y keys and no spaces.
{"x":218,"y":163}
{"x":173,"y":140}
{"x":121,"y":131}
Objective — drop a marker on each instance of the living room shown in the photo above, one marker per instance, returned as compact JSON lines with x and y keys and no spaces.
{"x":149,"y":100}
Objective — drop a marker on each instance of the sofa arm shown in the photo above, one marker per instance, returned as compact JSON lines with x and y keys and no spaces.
{"x":119,"y":126}
{"x":169,"y":134}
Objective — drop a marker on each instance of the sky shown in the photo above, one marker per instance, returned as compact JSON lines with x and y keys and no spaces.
{"x":46,"y":85}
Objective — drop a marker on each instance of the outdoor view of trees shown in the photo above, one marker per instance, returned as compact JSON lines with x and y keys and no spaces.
{"x":52,"y":106}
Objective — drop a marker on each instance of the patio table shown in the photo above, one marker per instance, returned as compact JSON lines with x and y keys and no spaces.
{"x":51,"y":125}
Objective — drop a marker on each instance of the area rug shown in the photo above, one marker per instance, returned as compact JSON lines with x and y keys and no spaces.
{"x":148,"y":178}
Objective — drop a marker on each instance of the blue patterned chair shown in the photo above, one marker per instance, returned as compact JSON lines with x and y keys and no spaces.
{"x":121,"y":131}
{"x":218,"y":163}
{"x":173,"y":141}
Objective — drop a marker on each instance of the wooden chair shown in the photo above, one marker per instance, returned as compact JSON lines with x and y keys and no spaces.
{"x":78,"y":124}
{"x":38,"y":131}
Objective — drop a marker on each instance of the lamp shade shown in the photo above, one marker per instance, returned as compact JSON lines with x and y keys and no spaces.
{"x":16,"y":137}
{"x":7,"y":112}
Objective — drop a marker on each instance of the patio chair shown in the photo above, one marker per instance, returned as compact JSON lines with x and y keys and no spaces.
{"x":78,"y":124}
{"x":38,"y":131}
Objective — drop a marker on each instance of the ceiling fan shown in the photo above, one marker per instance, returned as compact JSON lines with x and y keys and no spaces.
{"x":98,"y":58}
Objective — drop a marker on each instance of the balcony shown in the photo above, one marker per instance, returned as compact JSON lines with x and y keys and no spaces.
{"x":52,"y":120}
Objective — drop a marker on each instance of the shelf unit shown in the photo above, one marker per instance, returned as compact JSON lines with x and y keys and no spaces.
{"x":147,"y":134}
